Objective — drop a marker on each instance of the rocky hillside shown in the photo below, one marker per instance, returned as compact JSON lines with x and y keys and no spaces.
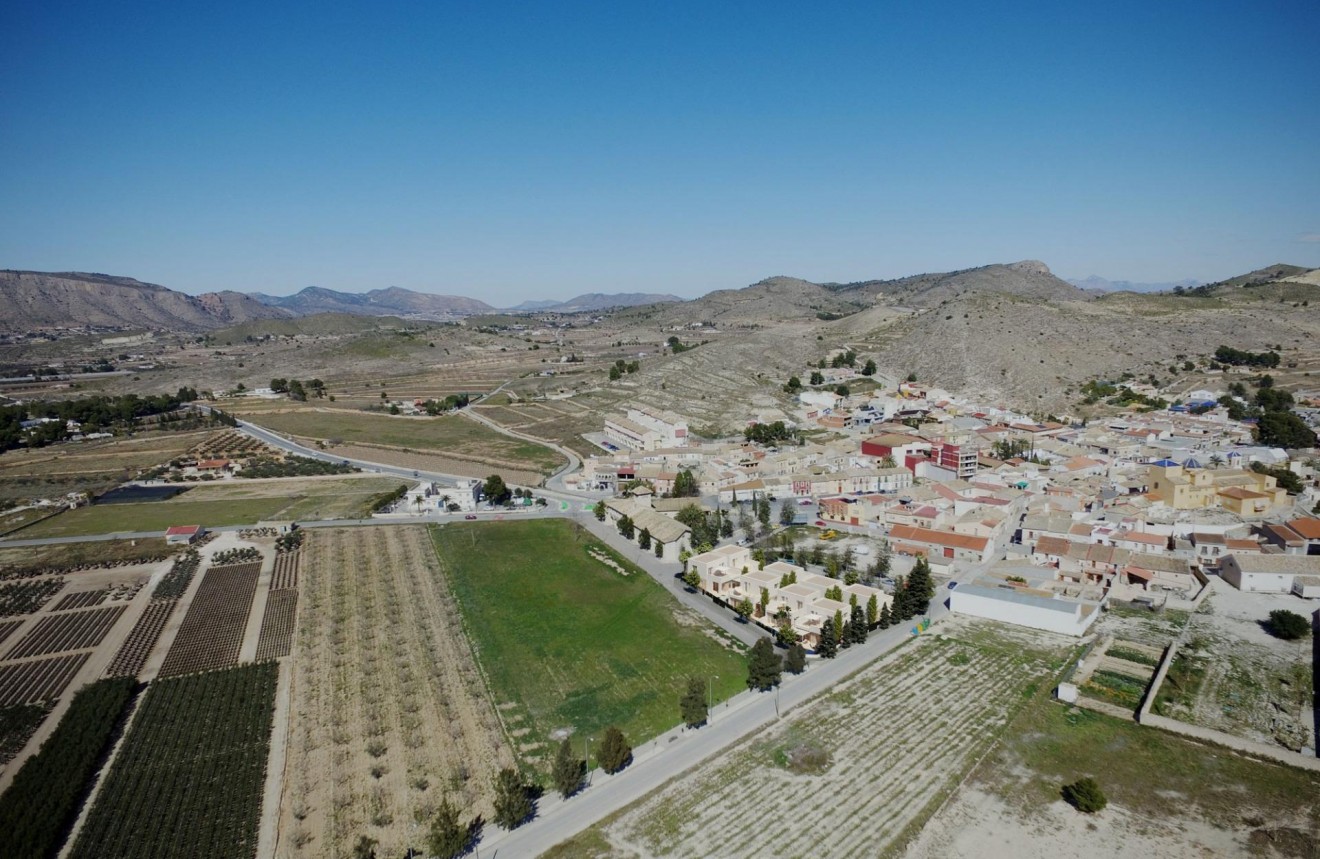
{"x":1027,"y":279}
{"x":33,"y":301}
{"x":394,"y":301}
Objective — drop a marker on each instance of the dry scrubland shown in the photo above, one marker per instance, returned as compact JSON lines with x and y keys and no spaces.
{"x":451,"y":436}
{"x":389,"y":713}
{"x":854,"y":773}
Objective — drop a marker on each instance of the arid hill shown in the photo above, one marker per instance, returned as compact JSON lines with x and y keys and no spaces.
{"x":394,"y":301}
{"x":32,"y":301}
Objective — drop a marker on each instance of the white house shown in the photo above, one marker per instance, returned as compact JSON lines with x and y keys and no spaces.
{"x":1270,"y":574}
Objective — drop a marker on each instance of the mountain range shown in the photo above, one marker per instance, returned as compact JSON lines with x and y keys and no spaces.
{"x":1095,"y":283}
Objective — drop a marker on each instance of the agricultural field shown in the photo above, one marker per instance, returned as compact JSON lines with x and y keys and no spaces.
{"x":19,"y":598}
{"x":57,"y":633}
{"x":389,"y":714}
{"x":227,"y":503}
{"x":51,"y":472}
{"x":188,"y":779}
{"x":38,"y":679}
{"x":276,"y":637}
{"x":1168,"y":795}
{"x":28,"y":562}
{"x":17,"y":724}
{"x":42,"y":802}
{"x":856,"y":772}
{"x":211,"y":634}
{"x":452,"y":435}
{"x":137,"y":646}
{"x":571,"y":645}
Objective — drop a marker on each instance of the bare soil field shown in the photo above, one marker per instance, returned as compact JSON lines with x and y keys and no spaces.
{"x":389,"y":714}
{"x":1233,"y":676}
{"x":856,"y":772}
{"x":436,"y":462}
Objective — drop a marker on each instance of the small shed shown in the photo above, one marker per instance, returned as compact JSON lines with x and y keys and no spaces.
{"x":182,"y":535}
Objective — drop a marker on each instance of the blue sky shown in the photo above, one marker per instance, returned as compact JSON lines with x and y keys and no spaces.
{"x":517,"y":151}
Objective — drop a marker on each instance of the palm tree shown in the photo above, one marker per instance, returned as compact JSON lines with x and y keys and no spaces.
{"x":1216,"y":460}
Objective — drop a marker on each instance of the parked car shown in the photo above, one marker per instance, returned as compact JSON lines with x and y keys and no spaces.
{"x":806,"y":502}
{"x":820,"y":523}
{"x":470,"y":516}
{"x":952,"y":585}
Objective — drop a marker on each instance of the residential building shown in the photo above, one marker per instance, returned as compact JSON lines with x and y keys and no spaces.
{"x":1272,"y":574}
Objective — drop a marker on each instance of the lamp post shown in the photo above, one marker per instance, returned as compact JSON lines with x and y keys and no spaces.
{"x":586,"y":757}
{"x":710,"y":699}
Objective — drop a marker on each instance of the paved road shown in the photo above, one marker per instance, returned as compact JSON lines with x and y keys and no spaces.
{"x":554,"y":481}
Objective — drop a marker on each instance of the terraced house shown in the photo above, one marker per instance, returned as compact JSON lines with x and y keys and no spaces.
{"x":730,"y":575}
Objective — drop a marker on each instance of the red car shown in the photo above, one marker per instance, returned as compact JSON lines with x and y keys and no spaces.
{"x":820,"y":523}
{"x":470,"y":516}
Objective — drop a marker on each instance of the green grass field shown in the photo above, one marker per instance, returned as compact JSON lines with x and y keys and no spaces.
{"x":567,"y":642}
{"x":223,"y":504}
{"x":448,"y":434}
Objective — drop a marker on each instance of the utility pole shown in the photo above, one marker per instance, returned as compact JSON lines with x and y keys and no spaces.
{"x":710,"y":700}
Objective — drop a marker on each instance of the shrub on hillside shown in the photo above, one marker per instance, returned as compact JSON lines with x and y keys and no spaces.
{"x":1085,"y":795}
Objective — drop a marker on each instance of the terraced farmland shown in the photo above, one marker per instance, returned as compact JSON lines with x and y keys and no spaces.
{"x":852,"y":774}
{"x":188,"y":780}
{"x":212,"y":630}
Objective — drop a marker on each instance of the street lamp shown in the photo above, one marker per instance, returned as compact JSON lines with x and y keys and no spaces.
{"x":710,"y":699}
{"x":586,"y":757}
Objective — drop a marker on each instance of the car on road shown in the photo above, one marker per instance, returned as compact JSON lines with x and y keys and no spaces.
{"x":820,"y":523}
{"x":470,"y":516}
{"x":952,"y":585}
{"x":806,"y":502}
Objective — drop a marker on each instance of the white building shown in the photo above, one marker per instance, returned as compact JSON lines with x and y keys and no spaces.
{"x":1038,"y":602}
{"x":1272,"y":574}
{"x":646,"y":429}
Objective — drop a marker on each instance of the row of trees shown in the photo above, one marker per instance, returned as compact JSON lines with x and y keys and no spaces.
{"x":621,"y":367}
{"x":298,"y":389}
{"x":451,"y":403}
{"x":94,"y":414}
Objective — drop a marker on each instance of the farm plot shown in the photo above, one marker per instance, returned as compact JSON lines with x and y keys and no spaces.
{"x":452,"y":435}
{"x":7,"y":628}
{"x":286,"y":571}
{"x":276,"y":638}
{"x":436,"y":462}
{"x":38,"y":679}
{"x":17,"y":724}
{"x":29,"y":562}
{"x":58,"y":633}
{"x":212,"y":630}
{"x":133,"y":653}
{"x":389,"y":714}
{"x":181,"y":573}
{"x":41,"y":804}
{"x":20,"y":598}
{"x":80,"y":599}
{"x":852,"y":773}
{"x":567,"y":643}
{"x":188,"y":780}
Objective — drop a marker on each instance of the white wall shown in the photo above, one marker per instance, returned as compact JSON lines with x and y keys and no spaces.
{"x":976,"y":605}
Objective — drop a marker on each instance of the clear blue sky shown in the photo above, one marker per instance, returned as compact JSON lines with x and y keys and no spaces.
{"x":515,"y":151}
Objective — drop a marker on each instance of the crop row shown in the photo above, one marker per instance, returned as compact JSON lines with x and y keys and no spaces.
{"x":7,"y":628}
{"x":40,"y":806}
{"x":176,"y":581}
{"x":58,"y":633}
{"x":39,"y":679}
{"x":243,"y":555}
{"x":212,"y":631}
{"x":137,"y":646}
{"x":276,"y":637}
{"x":81,"y":599}
{"x":17,"y":725}
{"x":228,"y":443}
{"x":286,"y":571}
{"x":19,"y":571}
{"x":188,"y":780}
{"x":22,"y":598}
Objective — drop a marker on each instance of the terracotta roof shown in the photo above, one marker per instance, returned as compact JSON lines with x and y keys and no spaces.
{"x":1306,"y":527}
{"x":1053,"y":546}
{"x":1241,"y":494}
{"x":182,"y":530}
{"x":939,"y":538}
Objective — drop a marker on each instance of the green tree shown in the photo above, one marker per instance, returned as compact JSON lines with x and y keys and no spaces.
{"x":785,"y":634}
{"x":513,"y":804}
{"x":921,"y":586}
{"x":765,"y":599}
{"x":692,"y":578}
{"x":911,"y":377}
{"x":692,"y":703}
{"x":615,"y":753}
{"x":615,"y":374}
{"x":872,"y":611}
{"x":786,"y":513}
{"x":857,"y":622}
{"x":599,"y":510}
{"x":1085,"y":795}
{"x":659,"y":549}
{"x":626,"y":527}
{"x":448,"y":838}
{"x":644,"y":539}
{"x":568,"y":771}
{"x":685,"y":485}
{"x":869,"y":368}
{"x":796,"y":660}
{"x":817,"y":378}
{"x":744,"y":608}
{"x":826,"y":646}
{"x":1288,"y":625}
{"x":495,"y":491}
{"x":886,"y":617}
{"x":764,"y":667}
{"x":843,"y":390}
{"x":793,"y":385}
{"x":1284,"y":429}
